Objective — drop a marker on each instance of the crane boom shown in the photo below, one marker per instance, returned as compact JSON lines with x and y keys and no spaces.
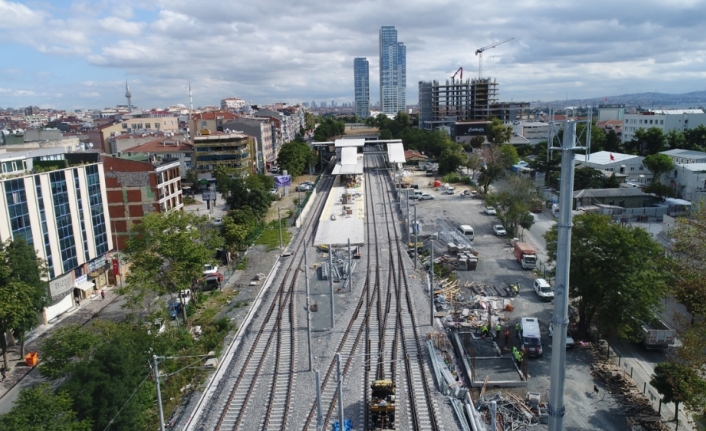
{"x":460,"y":69}
{"x":479,"y":53}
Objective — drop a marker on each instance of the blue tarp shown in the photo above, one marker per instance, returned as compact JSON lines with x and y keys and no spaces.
{"x":347,"y":425}
{"x":283,"y":180}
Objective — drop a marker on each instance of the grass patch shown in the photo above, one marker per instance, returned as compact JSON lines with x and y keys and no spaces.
{"x":270,"y":235}
{"x":242,"y":264}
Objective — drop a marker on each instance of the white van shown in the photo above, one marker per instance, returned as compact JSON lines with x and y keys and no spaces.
{"x":530,"y":337}
{"x":467,"y":231}
{"x":417,"y":194}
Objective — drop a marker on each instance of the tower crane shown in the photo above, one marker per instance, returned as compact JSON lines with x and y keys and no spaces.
{"x":460,"y":69}
{"x":479,"y":53}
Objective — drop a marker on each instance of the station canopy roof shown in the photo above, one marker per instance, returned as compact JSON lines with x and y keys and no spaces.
{"x":395,"y":153}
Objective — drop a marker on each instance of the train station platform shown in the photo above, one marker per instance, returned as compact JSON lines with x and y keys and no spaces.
{"x":343,"y":216}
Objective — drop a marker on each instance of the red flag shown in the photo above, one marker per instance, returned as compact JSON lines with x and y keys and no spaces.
{"x":612,"y":159}
{"x":605,"y":98}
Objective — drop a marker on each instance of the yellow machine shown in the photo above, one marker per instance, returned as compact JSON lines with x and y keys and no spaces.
{"x":382,"y":405}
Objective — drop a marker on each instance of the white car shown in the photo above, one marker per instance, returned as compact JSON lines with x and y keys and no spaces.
{"x":490,"y":211}
{"x":425,"y":197}
{"x":303,"y":187}
{"x":543,"y":289}
{"x":210,"y":269}
{"x":570,"y":343}
{"x":499,"y":230}
{"x":217,"y":221}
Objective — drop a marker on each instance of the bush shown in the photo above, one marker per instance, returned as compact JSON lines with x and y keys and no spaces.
{"x":452,"y":178}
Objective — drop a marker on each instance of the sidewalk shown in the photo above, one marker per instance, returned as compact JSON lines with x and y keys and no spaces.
{"x":78,"y":315}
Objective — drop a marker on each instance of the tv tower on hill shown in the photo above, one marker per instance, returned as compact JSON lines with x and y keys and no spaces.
{"x":128,"y":95}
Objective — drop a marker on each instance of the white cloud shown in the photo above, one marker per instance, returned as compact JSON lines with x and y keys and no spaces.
{"x":281,"y":50}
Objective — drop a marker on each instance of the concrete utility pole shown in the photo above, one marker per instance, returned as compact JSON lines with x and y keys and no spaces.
{"x":340,"y":391}
{"x":330,"y":279}
{"x":308,"y":307}
{"x":431,"y":286}
{"x":350,"y":268}
{"x":408,"y":219}
{"x":279,"y":220}
{"x":416,"y":249}
{"x":556,"y":409}
{"x":155,"y":364}
{"x":319,"y":414}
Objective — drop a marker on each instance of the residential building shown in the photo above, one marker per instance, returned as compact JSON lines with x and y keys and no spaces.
{"x":664,"y":119}
{"x":361,"y":79}
{"x":135,"y":188}
{"x":163,"y":149}
{"x":688,"y":181}
{"x":57,"y":202}
{"x":232,"y":103}
{"x":211,"y":121}
{"x":393,"y":72}
{"x":261,"y":130}
{"x":614,"y":125}
{"x":614,"y":112}
{"x":232,"y":150}
{"x":137,"y":124}
{"x":627,"y":164}
{"x":606,"y":198}
{"x":683,"y":157}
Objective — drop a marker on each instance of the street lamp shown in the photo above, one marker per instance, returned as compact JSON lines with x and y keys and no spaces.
{"x":155,"y":364}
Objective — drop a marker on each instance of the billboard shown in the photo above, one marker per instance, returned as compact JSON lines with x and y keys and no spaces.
{"x":472,"y":129}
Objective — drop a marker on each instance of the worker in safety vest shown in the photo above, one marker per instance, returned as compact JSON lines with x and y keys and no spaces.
{"x":498,"y":329}
{"x":484,"y":330}
{"x":517,"y":329}
{"x":514,"y":352}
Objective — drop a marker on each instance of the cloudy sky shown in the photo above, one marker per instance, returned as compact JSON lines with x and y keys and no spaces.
{"x":78,"y":54}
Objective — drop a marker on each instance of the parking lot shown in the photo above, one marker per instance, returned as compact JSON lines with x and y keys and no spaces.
{"x":497,"y":266}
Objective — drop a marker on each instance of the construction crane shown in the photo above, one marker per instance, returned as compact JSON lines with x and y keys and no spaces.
{"x":460,"y":69}
{"x":479,"y":53}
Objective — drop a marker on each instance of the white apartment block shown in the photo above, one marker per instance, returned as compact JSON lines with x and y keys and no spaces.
{"x":626,"y":164}
{"x":232,"y":103}
{"x":663,"y":119}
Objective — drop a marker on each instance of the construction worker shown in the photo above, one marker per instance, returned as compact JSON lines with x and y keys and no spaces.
{"x":507,"y":337}
{"x":518,"y":356}
{"x":515,"y":352}
{"x":484,"y":331}
{"x":498,"y":329}
{"x":517,"y":329}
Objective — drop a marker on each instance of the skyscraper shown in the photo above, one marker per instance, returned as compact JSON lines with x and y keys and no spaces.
{"x":393,"y":72}
{"x":361,"y":77}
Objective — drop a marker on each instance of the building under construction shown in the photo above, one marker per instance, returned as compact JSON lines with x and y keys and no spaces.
{"x":463,"y":100}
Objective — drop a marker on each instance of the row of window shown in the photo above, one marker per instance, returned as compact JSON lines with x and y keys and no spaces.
{"x":643,"y":121}
{"x":145,"y":125}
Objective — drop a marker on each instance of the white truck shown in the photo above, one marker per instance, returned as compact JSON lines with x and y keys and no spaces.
{"x":657,"y":335}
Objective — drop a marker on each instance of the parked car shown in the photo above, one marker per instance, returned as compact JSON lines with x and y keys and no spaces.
{"x":499,"y":230}
{"x":173,"y":308}
{"x":303,"y":187}
{"x":209,"y":269}
{"x":185,"y":296}
{"x":212,"y":282}
{"x":543,"y":289}
{"x":158,"y":327}
{"x":274,"y":191}
{"x":490,"y":211}
{"x":425,"y":197}
{"x":570,"y":343}
{"x":275,"y":169}
{"x":217,"y":221}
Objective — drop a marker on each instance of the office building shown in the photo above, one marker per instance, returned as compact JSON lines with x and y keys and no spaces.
{"x":393,"y":72}
{"x":361,"y":77}
{"x":664,"y":119}
{"x":56,"y":201}
{"x":232,"y":150}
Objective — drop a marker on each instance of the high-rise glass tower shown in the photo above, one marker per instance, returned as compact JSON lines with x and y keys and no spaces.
{"x":393,"y":72}
{"x":361,"y":76}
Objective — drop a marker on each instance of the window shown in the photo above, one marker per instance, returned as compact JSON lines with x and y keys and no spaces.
{"x":17,"y":209}
{"x":156,"y":125}
{"x":45,"y":230}
{"x":632,"y":168}
{"x":204,"y":124}
{"x":147,"y":125}
{"x":64,"y":227}
{"x":79,"y":210}
{"x":641,"y":168}
{"x":100,"y":235}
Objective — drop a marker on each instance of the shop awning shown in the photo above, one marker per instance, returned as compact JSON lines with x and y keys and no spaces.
{"x":86,"y":285}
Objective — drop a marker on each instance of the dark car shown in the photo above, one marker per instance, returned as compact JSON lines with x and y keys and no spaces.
{"x":212,"y":282}
{"x":174,"y":308}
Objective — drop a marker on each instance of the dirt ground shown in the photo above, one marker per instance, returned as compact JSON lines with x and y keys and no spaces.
{"x":286,"y":203}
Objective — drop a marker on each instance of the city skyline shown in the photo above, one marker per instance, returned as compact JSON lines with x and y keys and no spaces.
{"x":72,"y":55}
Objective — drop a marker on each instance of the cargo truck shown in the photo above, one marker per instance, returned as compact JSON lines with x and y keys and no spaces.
{"x":525,"y":255}
{"x":657,"y":335}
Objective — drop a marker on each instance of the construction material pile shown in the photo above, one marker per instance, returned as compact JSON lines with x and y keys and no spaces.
{"x":483,"y":289}
{"x":509,"y":412}
{"x":339,"y":270}
{"x":640,"y":414}
{"x":474,"y":312}
{"x":459,"y":257}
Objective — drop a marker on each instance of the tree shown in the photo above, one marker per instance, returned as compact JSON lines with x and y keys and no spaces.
{"x":167,"y":253}
{"x":688,"y":270}
{"x":513,"y":203}
{"x":451,"y":159}
{"x":586,"y":177}
{"x":611,"y":182}
{"x":646,"y":142}
{"x":27,"y":268}
{"x":545,"y":164}
{"x":658,"y":164}
{"x":38,"y":408}
{"x":296,"y":156}
{"x":477,"y":142}
{"x":675,"y":139}
{"x":509,"y":154}
{"x":497,"y":162}
{"x":17,"y":306}
{"x":497,"y":133}
{"x":695,"y":139}
{"x":473,"y":163}
{"x":612,"y":142}
{"x":617,"y":277}
{"x":385,"y":134}
{"x":677,"y":384}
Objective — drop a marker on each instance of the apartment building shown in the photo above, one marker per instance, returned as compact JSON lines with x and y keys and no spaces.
{"x":135,"y":188}
{"x":261,"y":130}
{"x":57,"y":202}
{"x":232,"y":150}
{"x":361,"y":82}
{"x":393,"y":72}
{"x":211,"y":121}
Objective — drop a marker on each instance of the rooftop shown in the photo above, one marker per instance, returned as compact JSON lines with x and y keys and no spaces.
{"x":604,"y":158}
{"x":162,"y":146}
{"x":607,"y":193}
{"x":684,"y":153}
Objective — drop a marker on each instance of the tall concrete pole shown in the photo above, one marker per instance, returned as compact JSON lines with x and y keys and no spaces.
{"x":350,"y":268}
{"x":416,"y":250}
{"x":330,"y":279}
{"x":279,"y":220}
{"x":340,"y":391}
{"x":308,"y":307}
{"x":431,"y":287}
{"x":319,"y":414}
{"x":155,"y":364}
{"x":408,"y":236}
{"x":556,"y":409}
